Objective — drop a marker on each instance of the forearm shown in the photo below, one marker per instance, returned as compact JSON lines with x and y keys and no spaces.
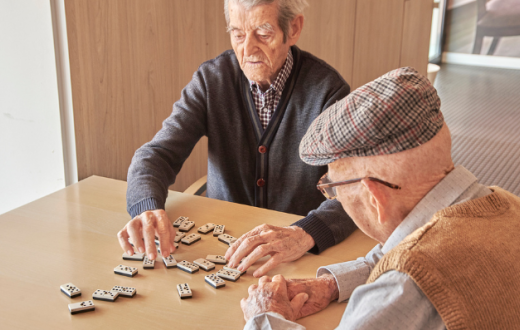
{"x":328,"y":225}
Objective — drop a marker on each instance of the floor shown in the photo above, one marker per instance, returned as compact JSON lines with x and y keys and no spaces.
{"x":482,"y":109}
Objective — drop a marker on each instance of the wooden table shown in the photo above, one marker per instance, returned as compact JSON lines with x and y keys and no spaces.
{"x":70,"y":236}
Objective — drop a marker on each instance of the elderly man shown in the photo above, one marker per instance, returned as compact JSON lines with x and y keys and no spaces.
{"x":254,"y":104}
{"x":448,"y":248}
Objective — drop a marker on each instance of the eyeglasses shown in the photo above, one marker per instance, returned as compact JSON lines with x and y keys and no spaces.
{"x":328,"y":188}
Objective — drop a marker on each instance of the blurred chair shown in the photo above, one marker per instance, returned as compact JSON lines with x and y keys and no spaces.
{"x":198,"y":187}
{"x":496,"y":18}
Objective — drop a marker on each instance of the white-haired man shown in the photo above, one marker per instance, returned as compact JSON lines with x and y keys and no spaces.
{"x":254,"y":104}
{"x":448,"y":251}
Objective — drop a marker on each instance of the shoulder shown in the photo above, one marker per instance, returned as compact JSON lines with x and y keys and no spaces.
{"x":222,"y":62}
{"x":315,"y":65}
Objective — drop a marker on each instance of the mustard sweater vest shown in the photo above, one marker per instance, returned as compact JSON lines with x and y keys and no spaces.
{"x":466,"y":260}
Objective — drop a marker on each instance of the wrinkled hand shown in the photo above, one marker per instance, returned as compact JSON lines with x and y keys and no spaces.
{"x":142,"y":231}
{"x":321,"y":291}
{"x":283,"y":244}
{"x":271,"y":296}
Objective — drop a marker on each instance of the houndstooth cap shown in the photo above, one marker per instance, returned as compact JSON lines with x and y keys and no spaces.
{"x":398,"y":111}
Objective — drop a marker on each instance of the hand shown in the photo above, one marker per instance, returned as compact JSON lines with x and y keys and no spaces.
{"x":142,"y":231}
{"x":283,"y":244}
{"x":321,"y":291}
{"x":271,"y":296}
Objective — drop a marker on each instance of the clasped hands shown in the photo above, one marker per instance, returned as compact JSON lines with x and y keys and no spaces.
{"x":293,"y":299}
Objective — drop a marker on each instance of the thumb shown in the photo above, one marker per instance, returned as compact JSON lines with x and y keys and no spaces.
{"x":298,"y":301}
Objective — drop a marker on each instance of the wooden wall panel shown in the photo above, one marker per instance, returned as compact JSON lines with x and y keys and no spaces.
{"x":416,"y":34}
{"x":130,"y":60}
{"x":328,"y":33}
{"x":377,"y":45}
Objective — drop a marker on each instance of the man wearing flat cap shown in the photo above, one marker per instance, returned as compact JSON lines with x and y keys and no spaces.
{"x":448,"y":253}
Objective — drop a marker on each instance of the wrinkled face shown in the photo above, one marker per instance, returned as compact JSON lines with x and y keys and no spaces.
{"x":354,"y":198}
{"x":257,"y":41}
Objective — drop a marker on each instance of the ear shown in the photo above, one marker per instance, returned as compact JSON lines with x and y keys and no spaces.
{"x":379,"y":199}
{"x":295,"y":30}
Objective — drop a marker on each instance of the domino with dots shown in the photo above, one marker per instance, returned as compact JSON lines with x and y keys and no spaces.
{"x":180,"y":220}
{"x":105,"y":295}
{"x":228,"y":239}
{"x":204,"y":264}
{"x":190,"y":239}
{"x":148,"y":264}
{"x":170,"y":261}
{"x":206,"y":228}
{"x":70,"y":290}
{"x":136,"y":256}
{"x":214,"y":281}
{"x":179,"y":236}
{"x":188,"y":266}
{"x":234,"y":270}
{"x":186,"y":225}
{"x":80,"y":307}
{"x":219,"y":230}
{"x":228,"y":275}
{"x":216,"y":259}
{"x":125,"y":270}
{"x":124,"y":291}
{"x":184,"y":291}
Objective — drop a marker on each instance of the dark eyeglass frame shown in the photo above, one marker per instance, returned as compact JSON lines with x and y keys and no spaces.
{"x":325,"y":187}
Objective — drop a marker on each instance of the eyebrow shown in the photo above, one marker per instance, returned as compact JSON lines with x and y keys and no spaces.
{"x":265,"y":26}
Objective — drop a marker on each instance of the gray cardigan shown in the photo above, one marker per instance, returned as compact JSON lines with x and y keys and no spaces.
{"x":217,"y":103}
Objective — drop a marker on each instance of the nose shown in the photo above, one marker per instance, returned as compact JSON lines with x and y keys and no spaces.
{"x":250,"y":45}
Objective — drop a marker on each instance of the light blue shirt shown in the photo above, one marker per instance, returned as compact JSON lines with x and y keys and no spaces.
{"x":393,"y":301}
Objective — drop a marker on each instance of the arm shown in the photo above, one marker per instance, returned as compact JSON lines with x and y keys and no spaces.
{"x":393,"y":301}
{"x":154,"y":168}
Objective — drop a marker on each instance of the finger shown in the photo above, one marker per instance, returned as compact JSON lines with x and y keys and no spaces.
{"x":248,"y":245}
{"x":298,"y":302}
{"x":163,"y":231}
{"x":149,"y":222}
{"x":252,"y":289}
{"x":134,"y":231}
{"x":259,"y":252}
{"x":263,"y":280}
{"x":243,"y":305}
{"x":254,"y":232}
{"x":269,"y":264}
{"x":122,"y":236}
{"x":235,"y":246}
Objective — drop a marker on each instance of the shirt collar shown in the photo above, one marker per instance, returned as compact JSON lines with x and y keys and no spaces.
{"x":444,"y":194}
{"x":280,"y":80}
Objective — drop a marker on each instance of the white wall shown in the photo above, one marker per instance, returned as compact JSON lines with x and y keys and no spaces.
{"x":31,"y":156}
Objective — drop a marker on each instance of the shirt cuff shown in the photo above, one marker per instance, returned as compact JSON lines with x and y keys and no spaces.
{"x":348,"y":276}
{"x":271,"y":320}
{"x":322,"y":235}
{"x":145,"y":205}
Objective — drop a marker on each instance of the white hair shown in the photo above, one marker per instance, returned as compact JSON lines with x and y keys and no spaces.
{"x":287,"y":11}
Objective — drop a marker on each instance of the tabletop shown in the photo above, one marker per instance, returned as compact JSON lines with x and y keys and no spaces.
{"x":70,"y":236}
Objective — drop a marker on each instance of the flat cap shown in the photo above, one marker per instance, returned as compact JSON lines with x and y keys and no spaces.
{"x":396,"y":112}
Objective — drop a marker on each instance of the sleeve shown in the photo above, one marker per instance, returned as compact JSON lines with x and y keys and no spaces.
{"x":271,"y":321}
{"x":156,"y":164}
{"x":349,"y":275}
{"x":393,"y":301}
{"x":329,"y":224}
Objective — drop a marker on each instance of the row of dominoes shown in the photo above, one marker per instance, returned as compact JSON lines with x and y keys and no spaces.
{"x":84,"y":306}
{"x":216,"y":280}
{"x":184,"y":225}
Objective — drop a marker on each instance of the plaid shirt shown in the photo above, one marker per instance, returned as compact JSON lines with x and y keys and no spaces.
{"x":267,"y":102}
